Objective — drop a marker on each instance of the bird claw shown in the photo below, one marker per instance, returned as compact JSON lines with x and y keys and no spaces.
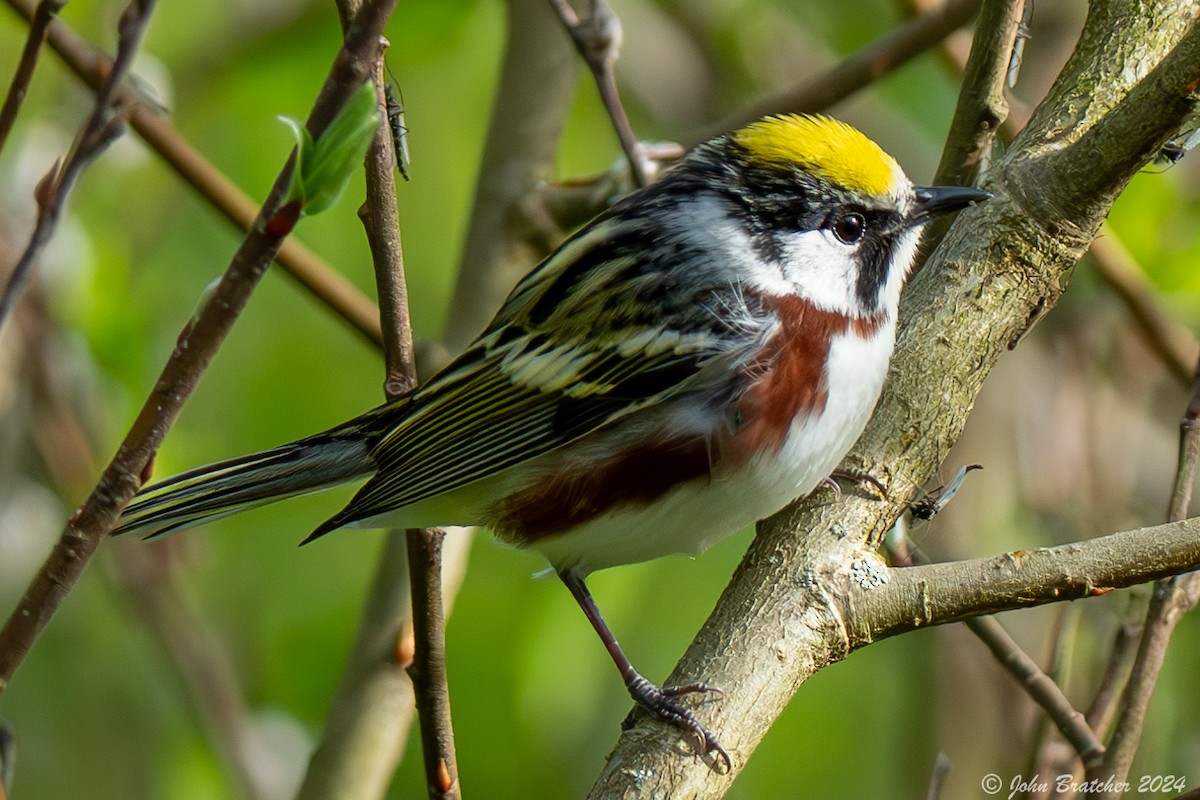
{"x":660,"y":704}
{"x":858,"y":477}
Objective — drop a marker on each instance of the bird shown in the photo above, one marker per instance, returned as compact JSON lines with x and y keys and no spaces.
{"x":699,"y":355}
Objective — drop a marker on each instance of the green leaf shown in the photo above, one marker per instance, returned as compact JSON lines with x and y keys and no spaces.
{"x":304,"y":148}
{"x":325,"y":165}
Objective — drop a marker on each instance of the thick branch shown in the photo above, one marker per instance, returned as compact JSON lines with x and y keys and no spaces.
{"x":934,"y":594}
{"x":1001,"y":265}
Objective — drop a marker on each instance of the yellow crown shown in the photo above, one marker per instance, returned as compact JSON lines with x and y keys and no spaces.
{"x":825,"y":147}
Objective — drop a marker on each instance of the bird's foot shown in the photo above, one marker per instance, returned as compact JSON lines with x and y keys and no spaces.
{"x":661,"y":704}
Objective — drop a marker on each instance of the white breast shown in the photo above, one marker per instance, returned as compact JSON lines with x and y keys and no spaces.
{"x":693,"y":516}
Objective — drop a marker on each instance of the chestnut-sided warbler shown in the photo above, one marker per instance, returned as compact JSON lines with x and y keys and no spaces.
{"x":698,"y":356}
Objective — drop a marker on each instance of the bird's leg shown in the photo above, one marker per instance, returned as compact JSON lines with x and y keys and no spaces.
{"x":659,"y":702}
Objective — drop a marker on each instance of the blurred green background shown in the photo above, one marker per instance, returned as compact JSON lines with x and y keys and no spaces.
{"x":1076,"y":429}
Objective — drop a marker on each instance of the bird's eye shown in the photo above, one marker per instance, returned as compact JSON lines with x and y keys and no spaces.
{"x":848,"y":228}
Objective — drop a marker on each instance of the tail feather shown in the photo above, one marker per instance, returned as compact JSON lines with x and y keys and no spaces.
{"x":227,"y":487}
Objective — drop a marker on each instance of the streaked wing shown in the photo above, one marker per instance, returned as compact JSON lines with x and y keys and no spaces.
{"x":480,"y":421}
{"x":596,"y":333}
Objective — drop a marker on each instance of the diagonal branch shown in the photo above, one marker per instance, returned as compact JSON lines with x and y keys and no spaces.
{"x":38,"y":26}
{"x":1172,"y":599}
{"x":999,"y":268}
{"x":103,"y":126}
{"x":888,"y":53}
{"x":982,"y":106}
{"x":298,"y":261}
{"x":598,"y":39}
{"x":197,"y":345}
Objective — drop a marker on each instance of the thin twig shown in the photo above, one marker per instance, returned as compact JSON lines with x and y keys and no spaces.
{"x":427,"y":619}
{"x":103,"y":126}
{"x":20,"y":82}
{"x":598,"y":39}
{"x":1043,"y":689}
{"x":428,"y":670}
{"x":313,"y":274}
{"x":884,"y":55}
{"x":197,"y":345}
{"x":1040,"y":686}
{"x":381,"y":221}
{"x":982,"y":106}
{"x":372,"y":708}
{"x":1172,"y":598}
{"x":147,"y":575}
{"x":1101,"y":712}
{"x":1170,"y":341}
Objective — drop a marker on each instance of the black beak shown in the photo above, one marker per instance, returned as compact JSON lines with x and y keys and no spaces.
{"x":932,"y":201}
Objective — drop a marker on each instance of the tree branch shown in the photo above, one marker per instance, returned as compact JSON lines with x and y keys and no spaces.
{"x":103,"y":126}
{"x":38,"y":25}
{"x":367,"y":725}
{"x":303,"y":265}
{"x":890,"y":52}
{"x":1171,"y":600}
{"x":598,"y":39}
{"x":195,"y":349}
{"x":934,"y":594}
{"x":1044,"y":690}
{"x":1000,"y":266}
{"x":372,"y":709}
{"x":982,"y":106}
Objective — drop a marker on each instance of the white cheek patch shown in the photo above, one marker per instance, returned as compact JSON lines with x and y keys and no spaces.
{"x":823,"y":269}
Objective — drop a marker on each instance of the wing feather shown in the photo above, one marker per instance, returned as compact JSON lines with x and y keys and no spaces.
{"x":559,"y":362}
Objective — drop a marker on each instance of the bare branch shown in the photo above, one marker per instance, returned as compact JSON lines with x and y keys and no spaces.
{"x":20,"y":83}
{"x":1040,"y":686}
{"x":428,"y":670}
{"x":598,"y":39}
{"x":103,"y":126}
{"x":298,"y":261}
{"x":877,"y":59}
{"x":1001,"y":265}
{"x":197,"y":345}
{"x":1172,"y":599}
{"x":982,"y":106}
{"x":371,"y":711}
